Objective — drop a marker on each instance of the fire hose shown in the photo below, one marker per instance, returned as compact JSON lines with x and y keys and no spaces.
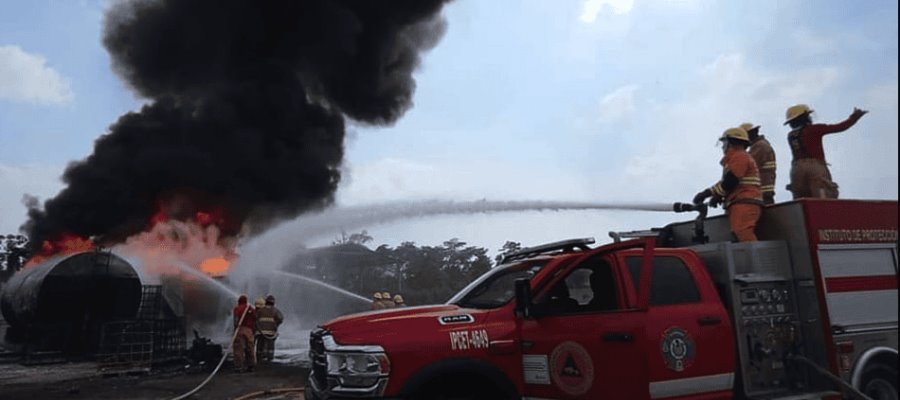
{"x":249,"y":396}
{"x":221,"y":361}
{"x":826,"y":373}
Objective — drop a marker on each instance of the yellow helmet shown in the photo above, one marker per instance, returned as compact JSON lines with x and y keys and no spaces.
{"x":795,"y":111}
{"x":398,"y":299}
{"x":386,"y":295}
{"x":377,"y":296}
{"x":735,"y":133}
{"x":260,"y":302}
{"x":747,"y":126}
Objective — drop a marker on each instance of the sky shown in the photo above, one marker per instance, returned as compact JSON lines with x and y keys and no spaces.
{"x":570,"y":100}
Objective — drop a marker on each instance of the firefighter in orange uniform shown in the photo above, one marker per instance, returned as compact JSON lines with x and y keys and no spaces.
{"x":762,"y":152}
{"x":810,"y":176}
{"x":739,"y":186}
{"x":244,"y":346}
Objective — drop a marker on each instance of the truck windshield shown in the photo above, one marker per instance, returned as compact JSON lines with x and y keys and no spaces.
{"x":496,"y":287}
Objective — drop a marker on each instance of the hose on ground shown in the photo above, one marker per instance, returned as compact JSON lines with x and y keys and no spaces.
{"x":221,"y":361}
{"x":249,"y":396}
{"x":826,"y":373}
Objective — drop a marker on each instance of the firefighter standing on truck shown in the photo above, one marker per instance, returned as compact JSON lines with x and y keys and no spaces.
{"x":762,"y":152}
{"x":387,"y":300}
{"x":739,"y":186}
{"x":243,"y":346}
{"x":810,"y":176}
{"x":268,"y":319}
{"x":377,"y":304}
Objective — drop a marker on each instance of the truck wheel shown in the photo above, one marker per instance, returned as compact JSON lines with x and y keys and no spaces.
{"x":880,"y":383}
{"x":460,"y":389}
{"x":435,"y":394}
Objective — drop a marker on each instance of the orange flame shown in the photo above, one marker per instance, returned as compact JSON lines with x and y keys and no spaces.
{"x":215,"y":267}
{"x":65,"y":244}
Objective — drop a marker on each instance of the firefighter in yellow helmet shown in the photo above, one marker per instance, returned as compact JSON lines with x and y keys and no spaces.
{"x":398,"y":301}
{"x":810,"y":176}
{"x":377,"y":301}
{"x":388,"y":300}
{"x":762,"y":152}
{"x":268,"y":319}
{"x":738,"y":190}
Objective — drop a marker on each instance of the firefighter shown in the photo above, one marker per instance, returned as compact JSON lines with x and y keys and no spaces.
{"x":243,"y":345}
{"x":258,"y":305}
{"x":762,"y":152}
{"x":268,"y":319}
{"x":810,"y":176}
{"x":377,"y":303}
{"x":387,"y":300}
{"x":739,"y":187}
{"x":398,"y":301}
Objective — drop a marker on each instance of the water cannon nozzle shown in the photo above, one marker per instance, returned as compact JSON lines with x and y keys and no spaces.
{"x":683,"y":207}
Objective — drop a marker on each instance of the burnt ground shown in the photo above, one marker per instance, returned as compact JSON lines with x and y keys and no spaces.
{"x":70,"y":381}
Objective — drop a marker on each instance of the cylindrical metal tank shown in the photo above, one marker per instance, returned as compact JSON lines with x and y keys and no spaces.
{"x":73,"y":293}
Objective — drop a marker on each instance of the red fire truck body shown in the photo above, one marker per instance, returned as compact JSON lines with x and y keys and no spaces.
{"x":675,"y":313}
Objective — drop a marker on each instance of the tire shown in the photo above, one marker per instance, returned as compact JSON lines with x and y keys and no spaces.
{"x":436,"y":394}
{"x":880,"y":383}
{"x":475,"y":390}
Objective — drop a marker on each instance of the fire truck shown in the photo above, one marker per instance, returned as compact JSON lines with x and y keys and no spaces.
{"x":679,"y":312}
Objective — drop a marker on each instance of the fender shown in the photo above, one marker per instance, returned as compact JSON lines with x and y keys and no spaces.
{"x":864,"y":360}
{"x":468,"y":366}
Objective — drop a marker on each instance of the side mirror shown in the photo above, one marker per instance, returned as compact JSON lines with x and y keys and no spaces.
{"x":523,"y":297}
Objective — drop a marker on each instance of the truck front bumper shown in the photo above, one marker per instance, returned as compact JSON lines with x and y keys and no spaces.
{"x":330,"y":389}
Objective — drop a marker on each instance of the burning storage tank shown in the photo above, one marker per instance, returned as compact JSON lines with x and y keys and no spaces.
{"x":62,"y":303}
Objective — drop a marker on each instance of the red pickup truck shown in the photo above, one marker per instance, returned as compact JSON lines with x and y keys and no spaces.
{"x":700,"y":318}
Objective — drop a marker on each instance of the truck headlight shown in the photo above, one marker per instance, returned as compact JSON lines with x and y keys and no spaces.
{"x":358,"y":369}
{"x":355,"y":368}
{"x":358,"y":364}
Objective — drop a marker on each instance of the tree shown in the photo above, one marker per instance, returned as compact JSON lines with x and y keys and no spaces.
{"x":13,"y":254}
{"x":432,"y":274}
{"x":354,"y":238}
{"x":508,"y":248}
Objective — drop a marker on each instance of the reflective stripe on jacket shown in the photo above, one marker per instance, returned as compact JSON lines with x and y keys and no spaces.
{"x":742,"y":166}
{"x":267,"y":320}
{"x":762,"y":152}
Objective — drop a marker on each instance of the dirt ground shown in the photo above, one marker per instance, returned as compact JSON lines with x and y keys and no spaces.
{"x":82,"y":381}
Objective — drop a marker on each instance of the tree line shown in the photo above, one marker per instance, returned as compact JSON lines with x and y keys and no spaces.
{"x":421,"y":274}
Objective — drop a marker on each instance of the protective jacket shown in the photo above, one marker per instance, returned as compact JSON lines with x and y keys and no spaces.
{"x":268,"y":319}
{"x":762,"y":153}
{"x":806,"y":141}
{"x":249,"y":319}
{"x":740,"y":179}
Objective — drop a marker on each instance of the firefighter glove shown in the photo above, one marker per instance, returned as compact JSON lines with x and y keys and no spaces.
{"x":715,"y":201}
{"x":702,"y":196}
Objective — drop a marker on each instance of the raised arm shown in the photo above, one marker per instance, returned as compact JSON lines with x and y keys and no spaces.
{"x":844,"y":125}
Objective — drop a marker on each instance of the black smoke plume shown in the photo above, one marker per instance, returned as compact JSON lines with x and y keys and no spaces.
{"x":246,"y":109}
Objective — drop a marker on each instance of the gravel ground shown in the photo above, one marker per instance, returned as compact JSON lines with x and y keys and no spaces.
{"x":84,"y":381}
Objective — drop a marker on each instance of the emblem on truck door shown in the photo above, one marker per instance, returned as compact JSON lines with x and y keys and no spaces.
{"x":678,"y":349}
{"x":456,"y":319}
{"x":571,"y":368}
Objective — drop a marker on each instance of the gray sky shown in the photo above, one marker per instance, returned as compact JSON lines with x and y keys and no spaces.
{"x":597,"y":100}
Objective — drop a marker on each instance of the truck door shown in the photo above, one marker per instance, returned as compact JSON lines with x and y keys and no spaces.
{"x":688,"y":333}
{"x":583,"y":344}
